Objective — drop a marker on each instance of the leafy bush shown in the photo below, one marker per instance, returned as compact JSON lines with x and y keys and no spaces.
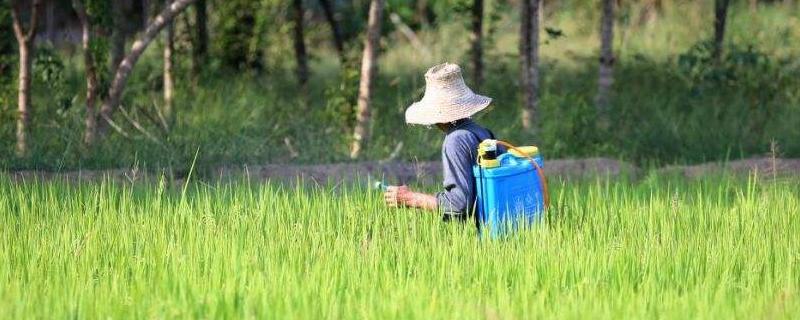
{"x":48,"y":71}
{"x":234,"y":41}
{"x":340,"y":99}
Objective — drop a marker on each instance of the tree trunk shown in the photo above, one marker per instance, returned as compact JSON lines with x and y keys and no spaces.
{"x":529,"y":55}
{"x":524,"y":60}
{"x":49,"y":24}
{"x":606,"y":71}
{"x":123,"y":71}
{"x":368,"y":70}
{"x":477,"y":47}
{"x":117,"y":35}
{"x":720,"y":15}
{"x":299,"y":43}
{"x":117,"y":49}
{"x":329,"y":10}
{"x":421,"y":13}
{"x":200,"y":46}
{"x":90,"y":121}
{"x":23,"y":97}
{"x":169,"y":86}
{"x":146,"y":12}
{"x":25,"y":41}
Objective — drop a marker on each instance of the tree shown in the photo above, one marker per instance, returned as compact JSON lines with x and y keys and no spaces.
{"x":720,"y":15}
{"x":25,"y":42}
{"x":529,"y":59}
{"x":91,"y":73}
{"x":368,"y":70}
{"x":329,"y":10}
{"x":299,"y":43}
{"x":169,"y":84}
{"x":422,"y":12}
{"x":126,"y":65}
{"x":118,"y":34}
{"x":200,"y":45}
{"x":476,"y":39}
{"x":606,"y":71}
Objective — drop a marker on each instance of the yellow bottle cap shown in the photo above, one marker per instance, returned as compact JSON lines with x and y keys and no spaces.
{"x":529,"y":151}
{"x":489,"y":163}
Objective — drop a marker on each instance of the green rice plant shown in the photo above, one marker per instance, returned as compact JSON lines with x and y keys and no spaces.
{"x":657,"y":248}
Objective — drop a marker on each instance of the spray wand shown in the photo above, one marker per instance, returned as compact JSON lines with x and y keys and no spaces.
{"x":377,"y":184}
{"x":380,"y":185}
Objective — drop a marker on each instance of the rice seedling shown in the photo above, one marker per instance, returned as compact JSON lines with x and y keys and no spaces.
{"x":657,"y":248}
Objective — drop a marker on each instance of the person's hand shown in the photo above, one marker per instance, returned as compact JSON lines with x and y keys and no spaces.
{"x":397,"y":196}
{"x":402,"y":196}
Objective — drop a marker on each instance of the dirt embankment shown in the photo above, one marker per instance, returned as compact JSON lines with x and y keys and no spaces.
{"x":416,"y":172}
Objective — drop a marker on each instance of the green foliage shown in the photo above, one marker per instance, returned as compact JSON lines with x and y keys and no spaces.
{"x":101,"y":17}
{"x":99,"y":48}
{"x":340,"y":100}
{"x":8,"y":61}
{"x":100,"y":13}
{"x":48,"y":70}
{"x":573,"y":128}
{"x":699,"y":67}
{"x":450,"y":10}
{"x":232,"y":43}
{"x":659,"y":248}
{"x":354,"y":18}
{"x":670,"y":103}
{"x":404,"y":9}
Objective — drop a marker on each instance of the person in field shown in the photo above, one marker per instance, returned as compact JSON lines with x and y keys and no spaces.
{"x":448,"y":103}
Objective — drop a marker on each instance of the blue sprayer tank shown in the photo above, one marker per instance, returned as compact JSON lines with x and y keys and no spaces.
{"x":510,"y":192}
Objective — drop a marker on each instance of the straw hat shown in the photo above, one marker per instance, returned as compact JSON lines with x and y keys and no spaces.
{"x":447,"y":98}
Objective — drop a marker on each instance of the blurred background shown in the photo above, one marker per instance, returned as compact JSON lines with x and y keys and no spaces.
{"x":654,"y":82}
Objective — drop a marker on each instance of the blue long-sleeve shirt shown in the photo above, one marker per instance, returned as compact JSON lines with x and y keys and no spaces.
{"x":459,"y":153}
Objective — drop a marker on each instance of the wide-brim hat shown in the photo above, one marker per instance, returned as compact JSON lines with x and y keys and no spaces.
{"x":447,"y":98}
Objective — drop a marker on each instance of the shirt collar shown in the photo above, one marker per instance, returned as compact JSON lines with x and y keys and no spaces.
{"x":460,"y":124}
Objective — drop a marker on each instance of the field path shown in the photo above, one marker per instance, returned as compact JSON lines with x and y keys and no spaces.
{"x":424,"y":172}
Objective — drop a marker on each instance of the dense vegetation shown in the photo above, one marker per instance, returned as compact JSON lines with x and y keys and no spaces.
{"x":719,"y":248}
{"x":670,"y":101}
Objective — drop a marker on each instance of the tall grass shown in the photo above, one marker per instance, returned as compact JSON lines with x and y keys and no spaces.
{"x":658,"y":248}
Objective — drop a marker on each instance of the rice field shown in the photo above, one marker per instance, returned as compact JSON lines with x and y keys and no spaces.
{"x":656,"y":248}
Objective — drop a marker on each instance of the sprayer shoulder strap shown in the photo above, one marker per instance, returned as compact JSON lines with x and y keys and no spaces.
{"x":477,"y":137}
{"x":477,"y":180}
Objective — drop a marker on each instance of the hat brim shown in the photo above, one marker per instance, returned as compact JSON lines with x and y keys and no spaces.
{"x":426,"y":112}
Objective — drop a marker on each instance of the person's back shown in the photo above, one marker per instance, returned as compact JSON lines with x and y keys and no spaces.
{"x":459,"y":153}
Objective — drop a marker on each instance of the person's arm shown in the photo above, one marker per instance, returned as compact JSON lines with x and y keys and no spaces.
{"x":454,"y":199}
{"x":402,"y":196}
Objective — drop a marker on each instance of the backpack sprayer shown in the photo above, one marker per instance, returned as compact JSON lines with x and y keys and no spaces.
{"x":511,"y":188}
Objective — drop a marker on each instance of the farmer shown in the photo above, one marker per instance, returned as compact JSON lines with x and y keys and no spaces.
{"x":448,"y":103}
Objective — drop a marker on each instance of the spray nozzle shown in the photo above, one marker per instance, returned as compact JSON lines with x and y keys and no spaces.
{"x":379,"y":185}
